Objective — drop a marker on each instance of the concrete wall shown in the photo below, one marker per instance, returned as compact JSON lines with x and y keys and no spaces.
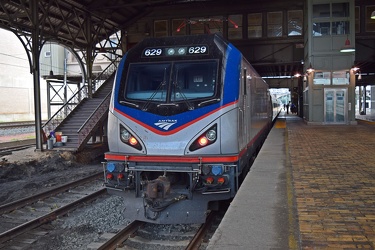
{"x":16,"y":82}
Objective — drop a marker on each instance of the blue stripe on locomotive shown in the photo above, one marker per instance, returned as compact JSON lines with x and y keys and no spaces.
{"x":231,"y":76}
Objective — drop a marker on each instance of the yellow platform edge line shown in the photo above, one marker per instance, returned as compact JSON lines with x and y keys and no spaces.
{"x":280,"y":123}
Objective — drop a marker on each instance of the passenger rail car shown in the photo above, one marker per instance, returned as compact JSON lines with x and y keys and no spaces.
{"x":186,"y":115}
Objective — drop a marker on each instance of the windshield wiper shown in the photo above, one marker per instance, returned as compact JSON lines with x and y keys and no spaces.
{"x":160,"y":87}
{"x":208,"y":101}
{"x":177,"y":87}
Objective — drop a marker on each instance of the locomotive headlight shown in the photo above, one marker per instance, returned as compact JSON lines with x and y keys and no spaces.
{"x":211,"y":135}
{"x":206,"y":138}
{"x":203,"y":141}
{"x":125,"y":134}
{"x":133,"y":141}
{"x":127,"y":138}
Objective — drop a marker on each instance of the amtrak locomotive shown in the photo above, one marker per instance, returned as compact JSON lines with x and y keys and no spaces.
{"x":186,"y":116}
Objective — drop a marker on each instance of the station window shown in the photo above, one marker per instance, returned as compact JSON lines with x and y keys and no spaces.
{"x":340,"y":9}
{"x":235,"y":27}
{"x":295,"y":22}
{"x":341,"y":27}
{"x":322,"y":78}
{"x":331,"y":19}
{"x":340,"y":78}
{"x":369,"y":23}
{"x":331,"y":78}
{"x":160,"y":28}
{"x":321,"y":28}
{"x":254,"y":25}
{"x":321,"y":11}
{"x":208,"y":25}
{"x":196,"y":27}
{"x":179,"y":27}
{"x":215,"y":25}
{"x":274,"y":24}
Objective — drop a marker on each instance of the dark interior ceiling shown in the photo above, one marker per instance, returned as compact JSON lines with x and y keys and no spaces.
{"x":67,"y":21}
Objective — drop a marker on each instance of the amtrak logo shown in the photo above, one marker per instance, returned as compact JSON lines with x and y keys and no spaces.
{"x":165,"y":124}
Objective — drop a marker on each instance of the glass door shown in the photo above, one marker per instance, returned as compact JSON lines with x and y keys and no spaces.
{"x":335,"y":101}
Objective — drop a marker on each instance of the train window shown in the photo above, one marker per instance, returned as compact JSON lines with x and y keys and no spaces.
{"x":194,"y":80}
{"x":179,"y":81}
{"x":148,"y":81}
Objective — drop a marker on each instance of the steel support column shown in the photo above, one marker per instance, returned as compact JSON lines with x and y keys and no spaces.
{"x":89,"y":57}
{"x":36,"y":75}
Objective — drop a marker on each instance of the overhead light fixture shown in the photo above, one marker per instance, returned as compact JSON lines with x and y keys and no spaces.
{"x":347,"y":47}
{"x":373,"y":15}
{"x":354,"y":68}
{"x":310,"y":69}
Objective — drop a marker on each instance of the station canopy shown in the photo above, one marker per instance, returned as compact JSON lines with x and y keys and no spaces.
{"x":68,"y":21}
{"x":81,"y":24}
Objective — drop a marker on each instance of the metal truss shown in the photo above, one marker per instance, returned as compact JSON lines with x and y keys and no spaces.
{"x":63,"y":22}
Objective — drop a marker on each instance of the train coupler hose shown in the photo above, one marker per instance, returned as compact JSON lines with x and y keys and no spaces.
{"x":157,"y":207}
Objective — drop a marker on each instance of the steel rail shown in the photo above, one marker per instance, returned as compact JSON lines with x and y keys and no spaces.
{"x":122,"y":235}
{"x":195,"y":243}
{"x":25,"y":227}
{"x":6,"y":148}
{"x":6,"y":208}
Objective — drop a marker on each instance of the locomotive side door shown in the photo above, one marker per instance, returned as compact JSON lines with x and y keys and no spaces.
{"x":242,"y":121}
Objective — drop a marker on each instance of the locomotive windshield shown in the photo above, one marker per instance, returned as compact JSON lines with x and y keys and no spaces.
{"x":171,"y":82}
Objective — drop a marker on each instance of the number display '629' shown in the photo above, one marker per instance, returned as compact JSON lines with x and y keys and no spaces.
{"x":175,"y":51}
{"x":153,"y":52}
{"x":197,"y":50}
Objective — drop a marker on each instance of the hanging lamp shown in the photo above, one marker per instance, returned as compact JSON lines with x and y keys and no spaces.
{"x":347,"y":47}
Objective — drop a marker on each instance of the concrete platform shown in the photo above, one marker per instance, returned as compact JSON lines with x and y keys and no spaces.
{"x":311,"y":187}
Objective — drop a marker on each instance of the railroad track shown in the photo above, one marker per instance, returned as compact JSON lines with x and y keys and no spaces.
{"x":142,"y":235}
{"x":9,"y":125}
{"x":28,"y":214}
{"x":16,"y":129}
{"x":7,"y":148}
